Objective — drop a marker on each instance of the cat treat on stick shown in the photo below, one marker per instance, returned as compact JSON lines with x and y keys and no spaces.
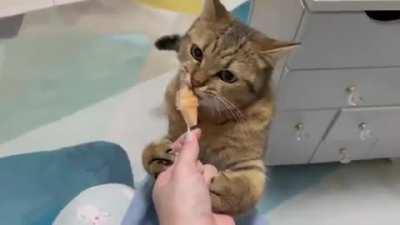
{"x":187,"y":103}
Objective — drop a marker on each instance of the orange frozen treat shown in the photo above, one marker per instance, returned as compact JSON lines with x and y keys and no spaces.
{"x":187,"y":103}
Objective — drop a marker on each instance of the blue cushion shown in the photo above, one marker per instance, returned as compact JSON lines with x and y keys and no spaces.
{"x":242,"y":12}
{"x":35,"y":187}
{"x":142,"y":211}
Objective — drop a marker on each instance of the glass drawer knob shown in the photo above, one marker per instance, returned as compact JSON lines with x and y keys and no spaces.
{"x":299,"y":131}
{"x":353,"y":96}
{"x":365,"y":132}
{"x":344,"y":156}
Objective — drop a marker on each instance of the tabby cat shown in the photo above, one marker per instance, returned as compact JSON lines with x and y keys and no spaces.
{"x":230,"y":66}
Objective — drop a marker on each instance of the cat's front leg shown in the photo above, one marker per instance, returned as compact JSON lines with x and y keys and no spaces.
{"x":236,"y":190}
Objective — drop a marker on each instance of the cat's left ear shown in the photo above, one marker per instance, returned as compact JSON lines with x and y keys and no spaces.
{"x":214,"y":10}
{"x":277,"y":50}
{"x":168,"y":42}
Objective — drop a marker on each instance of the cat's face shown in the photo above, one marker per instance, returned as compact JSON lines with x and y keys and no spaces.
{"x":222,"y":64}
{"x":230,"y":64}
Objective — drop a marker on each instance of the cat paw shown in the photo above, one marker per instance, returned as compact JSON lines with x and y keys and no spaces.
{"x":220,"y":196}
{"x":230,"y":195}
{"x":157,"y":157}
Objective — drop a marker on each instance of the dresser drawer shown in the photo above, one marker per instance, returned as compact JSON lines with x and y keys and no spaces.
{"x":295,"y":135}
{"x":362,"y":134}
{"x":346,"y":39}
{"x":339,"y":88}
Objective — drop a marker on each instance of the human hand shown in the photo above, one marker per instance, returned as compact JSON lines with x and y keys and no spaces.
{"x":181,"y":193}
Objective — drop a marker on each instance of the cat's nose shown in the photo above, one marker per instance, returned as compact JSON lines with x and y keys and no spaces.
{"x":198,"y":79}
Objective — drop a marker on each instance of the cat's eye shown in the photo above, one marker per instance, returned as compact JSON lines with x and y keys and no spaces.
{"x":196,"y":53}
{"x":227,"y":76}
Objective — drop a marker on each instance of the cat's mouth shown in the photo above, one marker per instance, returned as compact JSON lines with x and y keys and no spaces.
{"x":204,"y":98}
{"x":197,"y":93}
{"x":218,"y":106}
{"x":201,"y":95}
{"x":208,"y":102}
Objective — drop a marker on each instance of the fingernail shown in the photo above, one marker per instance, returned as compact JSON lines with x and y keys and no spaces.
{"x":189,"y":137}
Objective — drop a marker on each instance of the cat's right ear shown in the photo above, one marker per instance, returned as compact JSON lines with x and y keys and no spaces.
{"x":168,"y":42}
{"x":277,"y":50}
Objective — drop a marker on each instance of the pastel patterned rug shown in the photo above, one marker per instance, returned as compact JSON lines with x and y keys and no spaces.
{"x":45,"y":78}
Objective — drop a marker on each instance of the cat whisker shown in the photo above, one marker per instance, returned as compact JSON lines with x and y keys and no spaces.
{"x":229,"y":109}
{"x":237,"y":110}
{"x":214,"y":112}
{"x":216,"y":108}
{"x":240,"y":117}
{"x":228,"y":106}
{"x":213,"y":103}
{"x":232,"y":108}
{"x":233,"y":111}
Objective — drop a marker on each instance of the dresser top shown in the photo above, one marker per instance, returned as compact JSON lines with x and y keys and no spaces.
{"x":352,"y":5}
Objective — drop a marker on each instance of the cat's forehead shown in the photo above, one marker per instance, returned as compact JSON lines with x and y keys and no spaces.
{"x":228,"y":34}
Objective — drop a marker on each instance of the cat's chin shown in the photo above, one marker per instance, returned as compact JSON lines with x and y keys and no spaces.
{"x":210,"y":109}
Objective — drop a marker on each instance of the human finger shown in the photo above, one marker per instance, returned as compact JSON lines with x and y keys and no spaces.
{"x":178,"y":144}
{"x":190,"y":151}
{"x":221,"y":219}
{"x":209,"y":171}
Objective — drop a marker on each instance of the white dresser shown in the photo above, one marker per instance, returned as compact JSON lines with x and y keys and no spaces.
{"x":16,"y":7}
{"x":338,"y":95}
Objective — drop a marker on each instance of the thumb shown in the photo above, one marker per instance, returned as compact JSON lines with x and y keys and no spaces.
{"x":178,"y":144}
{"x":190,"y":150}
{"x":221,"y":219}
